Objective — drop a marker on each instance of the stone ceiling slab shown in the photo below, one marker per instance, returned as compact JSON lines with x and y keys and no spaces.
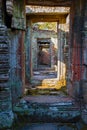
{"x":45,"y":10}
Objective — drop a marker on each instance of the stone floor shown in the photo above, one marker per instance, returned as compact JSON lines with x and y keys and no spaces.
{"x":50,"y":99}
{"x":46,"y":78}
{"x":45,"y":103}
{"x":53,"y":126}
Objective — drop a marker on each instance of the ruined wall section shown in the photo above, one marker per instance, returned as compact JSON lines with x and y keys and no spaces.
{"x":5,"y":87}
{"x":12,"y":69}
{"x":6,"y":114}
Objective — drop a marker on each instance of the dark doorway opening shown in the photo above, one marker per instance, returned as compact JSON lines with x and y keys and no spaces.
{"x":44,"y":53}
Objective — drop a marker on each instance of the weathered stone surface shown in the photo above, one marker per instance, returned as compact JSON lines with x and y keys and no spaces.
{"x":18,"y":19}
{"x":6,"y":119}
{"x":43,"y":9}
{"x":47,"y":79}
{"x":6,"y":114}
{"x":47,"y":112}
{"x":76,"y":29}
{"x":5,"y":91}
{"x":16,"y":64}
{"x":9,"y":7}
{"x":84,"y":115}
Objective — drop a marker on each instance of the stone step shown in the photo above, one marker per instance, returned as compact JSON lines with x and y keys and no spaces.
{"x":44,"y":72}
{"x":47,"y":109}
{"x":39,"y":90}
{"x":41,"y":68}
{"x":48,"y":83}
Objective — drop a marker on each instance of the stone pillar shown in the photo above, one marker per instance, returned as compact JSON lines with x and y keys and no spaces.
{"x":63,"y":68}
{"x":58,"y":63}
{"x":84,"y":36}
{"x":6,"y":114}
{"x":76,"y":49}
{"x":28,"y":48}
{"x":84,"y":87}
{"x":61,"y":63}
{"x":51,"y":52}
{"x":69,"y":71}
{"x":17,"y":50}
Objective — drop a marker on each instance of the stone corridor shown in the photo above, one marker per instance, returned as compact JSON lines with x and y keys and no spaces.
{"x":46,"y":102}
{"x":52,"y":89}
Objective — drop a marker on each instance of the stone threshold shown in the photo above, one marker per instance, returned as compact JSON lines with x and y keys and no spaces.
{"x":48,"y":109}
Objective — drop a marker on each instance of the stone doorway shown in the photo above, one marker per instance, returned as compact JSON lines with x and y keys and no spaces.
{"x":47,"y":55}
{"x":44,"y":53}
{"x":46,"y":47}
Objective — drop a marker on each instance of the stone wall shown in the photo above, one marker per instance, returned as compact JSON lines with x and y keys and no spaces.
{"x":6,"y":114}
{"x":84,"y":81}
{"x":84,"y":36}
{"x":19,"y":19}
{"x":11,"y":63}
